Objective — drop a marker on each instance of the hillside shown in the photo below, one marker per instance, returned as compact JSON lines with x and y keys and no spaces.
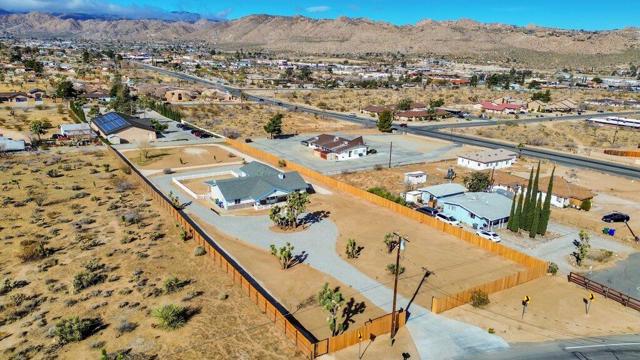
{"x":342,"y":35}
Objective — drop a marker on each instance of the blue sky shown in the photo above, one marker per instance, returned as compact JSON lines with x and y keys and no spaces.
{"x":573,"y":14}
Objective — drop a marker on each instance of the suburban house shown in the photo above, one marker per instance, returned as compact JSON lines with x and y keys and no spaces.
{"x":14,"y":97}
{"x":503,"y":108}
{"x":219,"y":95}
{"x":37,"y":94}
{"x":332,"y":147}
{"x":121,"y":128}
{"x":8,"y":144}
{"x":565,"y":194}
{"x":488,"y":159}
{"x":180,"y":95}
{"x":375,"y":110}
{"x":96,"y":96}
{"x":480,"y":210}
{"x":256,"y":185}
{"x":432,"y":195}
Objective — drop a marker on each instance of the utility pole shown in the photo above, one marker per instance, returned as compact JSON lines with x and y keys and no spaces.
{"x":399,"y":243}
{"x":390,"y":151}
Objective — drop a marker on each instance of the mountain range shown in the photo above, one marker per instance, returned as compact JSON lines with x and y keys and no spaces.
{"x":335,"y":36}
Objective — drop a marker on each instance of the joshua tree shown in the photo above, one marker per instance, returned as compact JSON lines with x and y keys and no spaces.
{"x":331,"y":301}
{"x":284,"y":255}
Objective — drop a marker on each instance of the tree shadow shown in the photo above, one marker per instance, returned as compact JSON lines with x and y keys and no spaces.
{"x":350,"y":310}
{"x":314,"y":217}
{"x":299,"y":259}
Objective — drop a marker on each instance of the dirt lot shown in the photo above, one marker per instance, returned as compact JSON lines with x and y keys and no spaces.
{"x":15,"y":120}
{"x":249,"y":119}
{"x":577,"y":137}
{"x":177,"y":157}
{"x":71,"y":204}
{"x":456,"y":264}
{"x":352,"y":100}
{"x":556,"y":311}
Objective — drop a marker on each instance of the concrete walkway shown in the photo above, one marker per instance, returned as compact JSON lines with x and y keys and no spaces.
{"x":435,"y":337}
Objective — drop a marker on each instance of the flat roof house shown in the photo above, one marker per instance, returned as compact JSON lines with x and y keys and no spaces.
{"x":256,"y":185}
{"x":479,"y":210}
{"x":332,"y":147}
{"x":488,"y":159}
{"x":8,"y":144}
{"x":118,"y":128}
{"x":82,"y":130}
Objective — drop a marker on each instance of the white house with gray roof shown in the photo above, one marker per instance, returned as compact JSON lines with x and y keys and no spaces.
{"x":433,"y":194}
{"x":256,"y":185}
{"x":488,"y":159}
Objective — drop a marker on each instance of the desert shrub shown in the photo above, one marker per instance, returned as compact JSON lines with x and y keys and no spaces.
{"x":553,"y":268}
{"x":167,"y":171}
{"x":171,"y":316}
{"x":199,"y":251}
{"x":173,"y":284}
{"x":383,"y":192}
{"x":126,"y":170}
{"x":85,"y":279}
{"x":33,"y":250}
{"x":282,"y":163}
{"x":391,"y":269}
{"x":585,"y":205}
{"x":76,"y":329}
{"x":125,"y":326}
{"x":353,"y":250}
{"x":53,"y":173}
{"x":131,"y":217}
{"x":491,"y":331}
{"x":479,"y":298}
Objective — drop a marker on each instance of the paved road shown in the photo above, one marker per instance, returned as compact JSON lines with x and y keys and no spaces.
{"x":435,"y":336}
{"x":561,"y":158}
{"x":624,"y":276}
{"x":623,"y":347}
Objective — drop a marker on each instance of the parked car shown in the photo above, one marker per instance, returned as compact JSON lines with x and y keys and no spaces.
{"x":372,"y":151}
{"x":247,"y":140}
{"x":447,"y":219}
{"x":489,"y":235}
{"x":427,"y":211}
{"x":180,"y":125}
{"x":403,"y":125}
{"x":615,"y":217}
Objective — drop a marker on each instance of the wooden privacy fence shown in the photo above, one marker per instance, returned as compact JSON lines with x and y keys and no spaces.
{"x":304,"y":341}
{"x":628,"y":153}
{"x":605,"y":291}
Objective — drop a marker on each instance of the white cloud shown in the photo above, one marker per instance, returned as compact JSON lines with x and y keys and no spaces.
{"x":317,"y":9}
{"x":95,"y":7}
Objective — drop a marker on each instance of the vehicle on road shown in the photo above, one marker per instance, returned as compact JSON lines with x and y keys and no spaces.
{"x":447,"y":219}
{"x":427,"y":211}
{"x":489,"y":235}
{"x":403,"y":125}
{"x":615,"y":217}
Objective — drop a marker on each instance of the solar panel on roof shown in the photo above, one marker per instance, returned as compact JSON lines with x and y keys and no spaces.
{"x":111,"y":122}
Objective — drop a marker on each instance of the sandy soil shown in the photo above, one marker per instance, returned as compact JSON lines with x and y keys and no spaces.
{"x":138,"y":258}
{"x":456,"y":264}
{"x":296,"y":288}
{"x":17,"y":119}
{"x":556,"y":311}
{"x":248,"y":120}
{"x":176,"y":157}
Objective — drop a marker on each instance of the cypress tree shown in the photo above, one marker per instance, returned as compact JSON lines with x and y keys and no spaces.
{"x":546,"y":208}
{"x":535,"y":217}
{"x":526,"y":207}
{"x":518,"y":214}
{"x":512,"y":214}
{"x":534,"y":198}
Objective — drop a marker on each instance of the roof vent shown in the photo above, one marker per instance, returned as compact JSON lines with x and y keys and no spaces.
{"x":281,"y":176}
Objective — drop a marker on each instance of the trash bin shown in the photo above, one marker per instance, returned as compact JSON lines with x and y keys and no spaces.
{"x":605,"y":230}
{"x":612,"y":232}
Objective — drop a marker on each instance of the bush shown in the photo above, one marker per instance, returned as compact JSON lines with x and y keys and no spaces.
{"x":76,"y":329}
{"x":171,"y":316}
{"x":199,"y":251}
{"x":479,"y":298}
{"x":585,"y":205}
{"x":85,"y":279}
{"x":173,"y":284}
{"x":553,"y":268}
{"x":33,"y":250}
{"x":382,"y":192}
{"x":391,"y":268}
{"x":126,"y":326}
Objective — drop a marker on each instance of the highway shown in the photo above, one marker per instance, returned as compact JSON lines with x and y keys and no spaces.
{"x":438,"y":131}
